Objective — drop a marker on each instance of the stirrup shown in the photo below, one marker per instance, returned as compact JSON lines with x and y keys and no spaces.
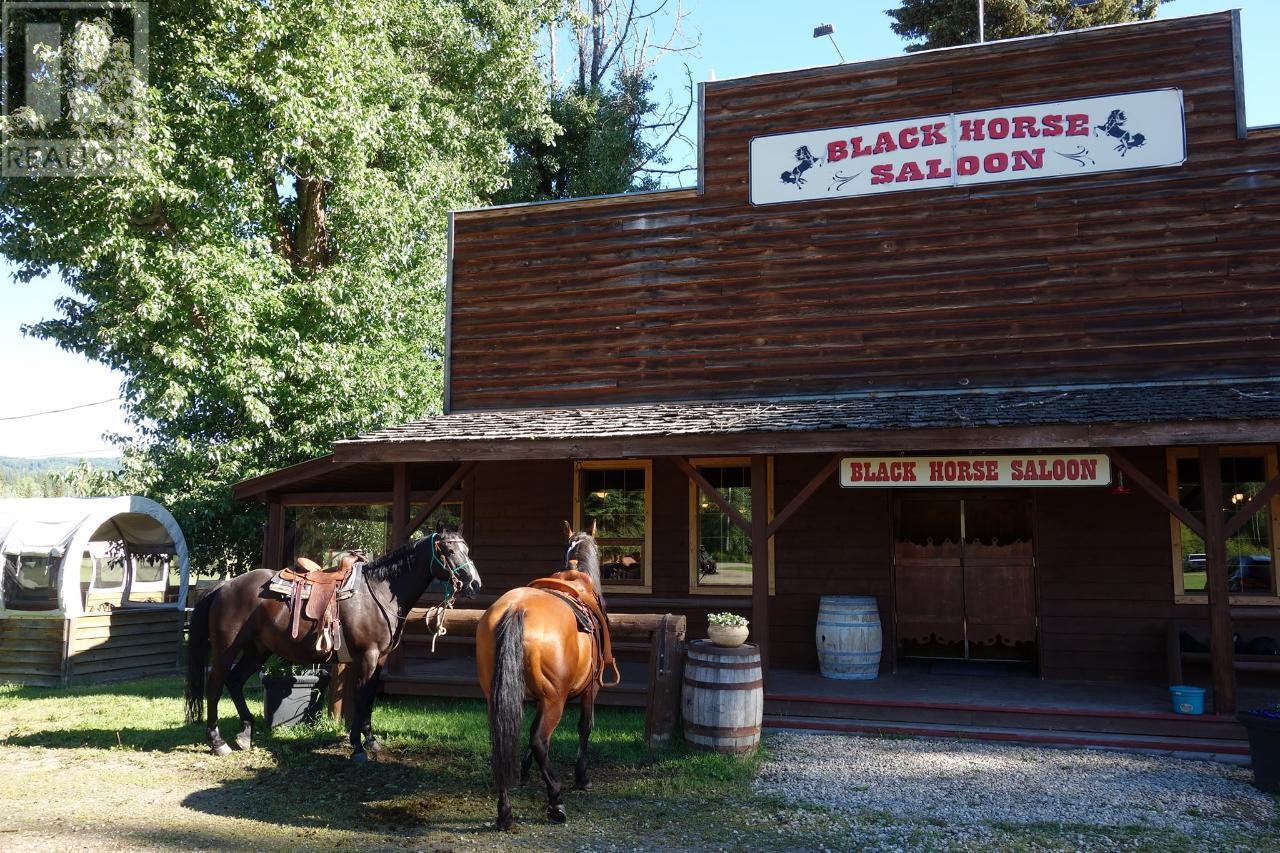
{"x":617,"y":676}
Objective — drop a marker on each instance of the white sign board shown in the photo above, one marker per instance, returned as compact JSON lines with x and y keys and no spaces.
{"x":1037,"y":469}
{"x":1139,"y":130}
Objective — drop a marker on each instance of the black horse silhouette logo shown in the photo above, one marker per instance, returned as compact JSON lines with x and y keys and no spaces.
{"x":804,"y":162}
{"x":1114,"y":128}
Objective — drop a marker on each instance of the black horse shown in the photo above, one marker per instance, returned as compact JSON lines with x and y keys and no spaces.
{"x":805,"y":160}
{"x":243,"y":619}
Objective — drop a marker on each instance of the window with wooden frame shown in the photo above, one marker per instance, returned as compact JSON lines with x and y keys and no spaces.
{"x":720,"y":551}
{"x":618,"y":498}
{"x":1251,"y":552}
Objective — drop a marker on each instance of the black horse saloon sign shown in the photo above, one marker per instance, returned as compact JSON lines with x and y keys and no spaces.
{"x":1138,"y":130}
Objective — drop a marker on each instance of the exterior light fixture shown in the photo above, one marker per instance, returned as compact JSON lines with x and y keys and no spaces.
{"x":1120,"y":488}
{"x":828,"y":30}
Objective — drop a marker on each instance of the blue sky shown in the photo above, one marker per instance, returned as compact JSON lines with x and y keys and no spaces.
{"x":737,"y":39}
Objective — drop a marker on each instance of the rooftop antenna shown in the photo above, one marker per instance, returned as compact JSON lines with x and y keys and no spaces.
{"x":828,"y":30}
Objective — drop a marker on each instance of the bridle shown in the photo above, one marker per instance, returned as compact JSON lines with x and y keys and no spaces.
{"x":436,"y":612}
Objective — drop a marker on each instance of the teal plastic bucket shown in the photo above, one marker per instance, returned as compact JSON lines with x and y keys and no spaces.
{"x":1187,"y":700}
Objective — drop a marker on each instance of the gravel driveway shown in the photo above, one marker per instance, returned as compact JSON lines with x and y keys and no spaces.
{"x":969,"y":786}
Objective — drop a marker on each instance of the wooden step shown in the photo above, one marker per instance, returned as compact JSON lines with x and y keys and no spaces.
{"x":1221,"y":749}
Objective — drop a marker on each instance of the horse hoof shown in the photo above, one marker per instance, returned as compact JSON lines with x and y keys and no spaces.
{"x":244,"y":742}
{"x":360,"y":757}
{"x":557,"y":814}
{"x":220,"y":749}
{"x":584,"y":785}
{"x":506,"y":824}
{"x":374,"y":746}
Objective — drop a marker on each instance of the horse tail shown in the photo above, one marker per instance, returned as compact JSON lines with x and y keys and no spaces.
{"x":506,"y":703}
{"x":197,"y":655}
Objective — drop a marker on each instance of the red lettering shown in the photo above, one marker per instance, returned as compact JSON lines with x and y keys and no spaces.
{"x":996,"y":161}
{"x":993,"y":469}
{"x":936,"y":170}
{"x":1024,"y":126}
{"x":1073,"y":469}
{"x":967,"y":165}
{"x":858,"y":150}
{"x":962,"y":470}
{"x":1052,"y":124}
{"x":1077,"y":124}
{"x":909,"y":137}
{"x":884,"y":143}
{"x":971,"y":129}
{"x":1059,"y":469}
{"x":1089,"y":468}
{"x":935,"y":471}
{"x":882,"y":473}
{"x":910,"y":171}
{"x":909,"y":472}
{"x":998,"y":128}
{"x":949,"y":470}
{"x":837,"y":151}
{"x":933,"y":134}
{"x":1042,"y":472}
{"x":855,"y":472}
{"x":882,"y":173}
{"x":1033,"y":159}
{"x":1015,"y":470}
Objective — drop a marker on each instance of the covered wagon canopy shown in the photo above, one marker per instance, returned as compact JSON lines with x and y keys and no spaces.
{"x":62,"y":530}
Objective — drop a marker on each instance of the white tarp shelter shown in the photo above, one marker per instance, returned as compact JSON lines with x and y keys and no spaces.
{"x":49,"y":537}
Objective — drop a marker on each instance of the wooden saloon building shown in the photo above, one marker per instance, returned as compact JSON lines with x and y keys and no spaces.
{"x":988,"y":333}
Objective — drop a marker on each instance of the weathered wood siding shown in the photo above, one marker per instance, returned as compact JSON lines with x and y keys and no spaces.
{"x":124,"y":644}
{"x":1161,"y":273}
{"x":31,"y":650}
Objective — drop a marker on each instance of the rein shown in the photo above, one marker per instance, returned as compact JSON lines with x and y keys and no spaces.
{"x":438,"y":611}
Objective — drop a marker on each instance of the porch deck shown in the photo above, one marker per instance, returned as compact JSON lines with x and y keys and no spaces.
{"x":938,"y":700}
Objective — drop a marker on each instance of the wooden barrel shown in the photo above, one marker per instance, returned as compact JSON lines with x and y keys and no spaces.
{"x":723,"y":697}
{"x":848,"y":637}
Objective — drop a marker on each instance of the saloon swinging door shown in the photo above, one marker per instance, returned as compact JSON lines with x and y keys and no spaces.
{"x":964,"y":577}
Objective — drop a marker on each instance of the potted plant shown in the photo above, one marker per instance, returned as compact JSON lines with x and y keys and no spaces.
{"x":292,"y":694}
{"x":1263,"y":726}
{"x":728,"y":630}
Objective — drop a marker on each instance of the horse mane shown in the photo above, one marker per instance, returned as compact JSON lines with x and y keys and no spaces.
{"x":394,"y":563}
{"x":588,"y":554}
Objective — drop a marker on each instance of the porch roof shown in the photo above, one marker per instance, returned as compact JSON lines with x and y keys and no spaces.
{"x":1243,"y":411}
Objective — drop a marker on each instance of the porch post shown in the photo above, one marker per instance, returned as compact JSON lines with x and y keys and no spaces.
{"x":273,"y":552}
{"x":1221,"y":648}
{"x":760,"y":556}
{"x":398,"y":535}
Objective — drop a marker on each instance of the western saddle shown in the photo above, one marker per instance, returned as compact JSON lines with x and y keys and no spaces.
{"x":574,"y":588}
{"x":315,"y":592}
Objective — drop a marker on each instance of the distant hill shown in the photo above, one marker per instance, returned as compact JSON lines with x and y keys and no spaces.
{"x":37,"y":478}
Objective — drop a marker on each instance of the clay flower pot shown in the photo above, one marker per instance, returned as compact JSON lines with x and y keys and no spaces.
{"x":727,"y":636}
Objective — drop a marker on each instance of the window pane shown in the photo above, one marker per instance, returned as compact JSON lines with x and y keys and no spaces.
{"x":1249,"y":550}
{"x":30,"y":582}
{"x":449,"y":512}
{"x":724,"y":550}
{"x":149,"y":568}
{"x":110,"y":573}
{"x":322,"y":532}
{"x":614,"y":498}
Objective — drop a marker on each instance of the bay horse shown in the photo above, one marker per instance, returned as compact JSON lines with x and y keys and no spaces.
{"x":243,"y":619}
{"x":529,"y":644}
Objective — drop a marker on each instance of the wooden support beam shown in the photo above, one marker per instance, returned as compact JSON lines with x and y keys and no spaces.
{"x":666,"y":670}
{"x":718,"y":499}
{"x":1159,"y":493}
{"x":1221,"y":647}
{"x":438,"y":497}
{"x":759,"y":532}
{"x":274,"y":556}
{"x":807,"y":492}
{"x":1257,"y":502}
{"x":398,"y":533}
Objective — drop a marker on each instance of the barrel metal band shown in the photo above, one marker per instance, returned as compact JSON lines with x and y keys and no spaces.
{"x":724,"y":685}
{"x":721,"y":731}
{"x":693,"y":661}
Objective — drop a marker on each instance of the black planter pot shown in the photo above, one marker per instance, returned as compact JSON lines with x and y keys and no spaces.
{"x":291,"y":699}
{"x":1264,"y":749}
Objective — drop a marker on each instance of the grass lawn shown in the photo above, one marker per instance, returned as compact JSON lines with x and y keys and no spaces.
{"x":114,"y":767}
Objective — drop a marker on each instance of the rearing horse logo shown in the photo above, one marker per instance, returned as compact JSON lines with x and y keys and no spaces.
{"x":1114,"y":127}
{"x":805,"y":160}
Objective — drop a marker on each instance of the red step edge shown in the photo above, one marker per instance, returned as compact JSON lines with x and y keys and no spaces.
{"x":1015,"y":737}
{"x":1001,"y":709}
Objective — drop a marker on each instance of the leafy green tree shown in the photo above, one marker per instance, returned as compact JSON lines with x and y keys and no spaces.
{"x":613,"y":134}
{"x":946,"y":23}
{"x":268,"y":273}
